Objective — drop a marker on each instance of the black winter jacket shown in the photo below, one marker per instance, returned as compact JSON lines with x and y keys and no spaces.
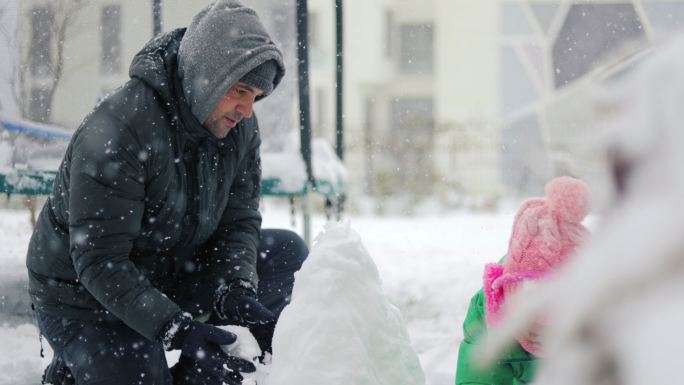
{"x":148,"y":206}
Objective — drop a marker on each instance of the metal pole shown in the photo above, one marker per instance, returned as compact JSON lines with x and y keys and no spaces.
{"x":304,"y":106}
{"x":156,"y":17}
{"x":339,"y":81}
{"x":339,"y":123}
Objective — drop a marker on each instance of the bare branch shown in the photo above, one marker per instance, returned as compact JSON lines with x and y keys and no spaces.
{"x":64,"y":14}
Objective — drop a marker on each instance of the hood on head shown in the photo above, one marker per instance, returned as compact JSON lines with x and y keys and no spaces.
{"x":224,"y":42}
{"x":155,"y":64}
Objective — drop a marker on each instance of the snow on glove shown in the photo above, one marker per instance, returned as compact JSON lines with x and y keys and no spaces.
{"x":237,"y":304}
{"x":202,"y":344}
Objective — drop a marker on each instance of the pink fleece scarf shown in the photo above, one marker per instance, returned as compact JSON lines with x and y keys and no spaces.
{"x":495,"y":282}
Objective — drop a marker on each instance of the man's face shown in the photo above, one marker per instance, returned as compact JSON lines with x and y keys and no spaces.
{"x":234,"y":106}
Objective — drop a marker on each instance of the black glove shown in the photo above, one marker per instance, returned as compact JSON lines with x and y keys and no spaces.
{"x":237,"y":304}
{"x":201,"y":343}
{"x":188,"y":372}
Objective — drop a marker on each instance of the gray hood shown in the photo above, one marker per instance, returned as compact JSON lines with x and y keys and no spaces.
{"x":225,"y":41}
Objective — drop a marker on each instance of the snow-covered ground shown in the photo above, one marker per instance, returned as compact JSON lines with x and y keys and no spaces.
{"x":430,"y":265}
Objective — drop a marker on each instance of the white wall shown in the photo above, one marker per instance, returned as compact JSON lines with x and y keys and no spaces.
{"x":466,"y":96}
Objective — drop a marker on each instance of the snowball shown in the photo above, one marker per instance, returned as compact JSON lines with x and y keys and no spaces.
{"x":246,"y":347}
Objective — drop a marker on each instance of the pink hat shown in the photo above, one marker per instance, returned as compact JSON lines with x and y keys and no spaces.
{"x":545,"y":231}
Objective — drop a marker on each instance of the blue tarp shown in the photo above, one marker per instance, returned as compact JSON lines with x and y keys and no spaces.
{"x":33,"y":129}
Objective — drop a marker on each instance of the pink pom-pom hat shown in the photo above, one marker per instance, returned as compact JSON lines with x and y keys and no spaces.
{"x":545,"y":231}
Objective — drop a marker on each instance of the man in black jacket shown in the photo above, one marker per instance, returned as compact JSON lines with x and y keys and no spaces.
{"x":152,"y":231}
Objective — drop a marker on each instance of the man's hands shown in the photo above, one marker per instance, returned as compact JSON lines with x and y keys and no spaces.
{"x":201,"y":343}
{"x":237,"y":304}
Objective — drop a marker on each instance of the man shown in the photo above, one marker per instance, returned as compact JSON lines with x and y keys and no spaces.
{"x":153,"y":223}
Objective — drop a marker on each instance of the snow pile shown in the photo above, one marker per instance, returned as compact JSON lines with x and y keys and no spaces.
{"x":339,"y":327}
{"x":21,"y":181}
{"x":616,"y":310}
{"x":325,"y":163}
{"x":430,"y":275}
{"x":287,"y":166}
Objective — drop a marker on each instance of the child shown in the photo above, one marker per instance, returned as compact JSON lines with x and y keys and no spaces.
{"x":545,"y":232}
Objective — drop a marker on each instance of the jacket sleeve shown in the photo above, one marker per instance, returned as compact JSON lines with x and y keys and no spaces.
{"x":232,"y":248}
{"x":468,"y":371}
{"x":106,"y":203}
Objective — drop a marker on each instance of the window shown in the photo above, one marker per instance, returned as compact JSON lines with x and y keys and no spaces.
{"x":524,"y":156}
{"x":412,"y":142}
{"x":517,"y":88}
{"x":416,"y":49}
{"x":42,"y":23}
{"x":590,"y":33}
{"x":111,"y":39}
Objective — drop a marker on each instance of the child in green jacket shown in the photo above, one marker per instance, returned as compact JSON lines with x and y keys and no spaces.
{"x":545,"y":232}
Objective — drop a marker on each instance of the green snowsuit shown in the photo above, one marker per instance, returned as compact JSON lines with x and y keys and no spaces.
{"x":515,"y":367}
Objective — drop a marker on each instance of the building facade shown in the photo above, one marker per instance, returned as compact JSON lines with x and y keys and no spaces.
{"x":465,"y":100}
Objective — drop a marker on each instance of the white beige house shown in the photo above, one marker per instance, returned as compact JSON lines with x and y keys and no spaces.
{"x":463,"y":99}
